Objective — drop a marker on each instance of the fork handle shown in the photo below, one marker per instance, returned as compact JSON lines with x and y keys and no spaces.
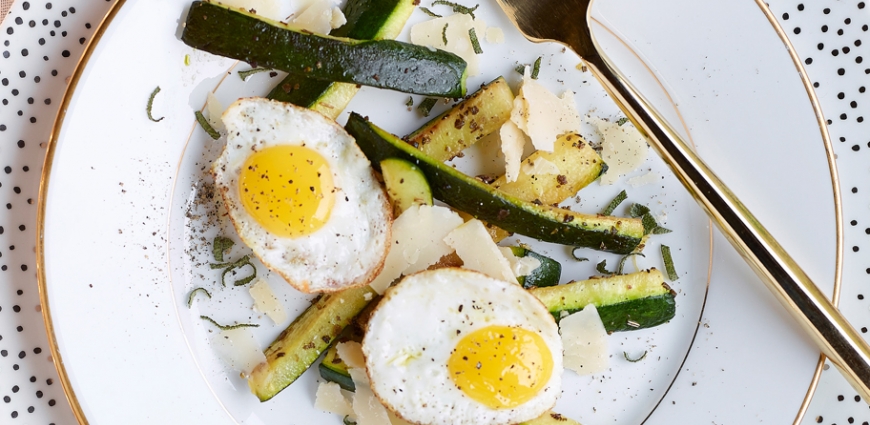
{"x":833,"y":334}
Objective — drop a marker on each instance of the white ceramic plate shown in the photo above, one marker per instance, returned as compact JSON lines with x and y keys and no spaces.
{"x":124,"y":241}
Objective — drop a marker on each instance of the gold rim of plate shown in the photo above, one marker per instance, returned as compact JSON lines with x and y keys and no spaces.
{"x":78,"y":412}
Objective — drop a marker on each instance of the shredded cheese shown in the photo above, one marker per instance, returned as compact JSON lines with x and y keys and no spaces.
{"x":238,"y":349}
{"x":512,"y":141}
{"x":330,"y":399}
{"x":367,"y":408}
{"x":584,"y":341}
{"x":623,"y":148}
{"x":494,"y":35}
{"x":417,"y":242}
{"x":432,"y":33}
{"x":351,"y":354}
{"x":478,"y":252}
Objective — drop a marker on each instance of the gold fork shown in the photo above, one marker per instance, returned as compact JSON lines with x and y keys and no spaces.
{"x":550,"y":20}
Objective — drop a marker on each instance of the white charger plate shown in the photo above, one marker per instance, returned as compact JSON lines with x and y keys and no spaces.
{"x":115,"y":272}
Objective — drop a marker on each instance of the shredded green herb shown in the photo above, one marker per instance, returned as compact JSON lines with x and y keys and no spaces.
{"x":229,"y":327}
{"x":151,"y":104}
{"x":621,"y":121}
{"x":347,"y":420}
{"x":638,"y":210}
{"x":521,"y":69}
{"x":193,"y":293}
{"x":458,"y":8}
{"x":650,"y":226}
{"x":410,"y":102}
{"x":621,"y":196}
{"x":200,"y":118}
{"x":475,"y":43}
{"x":219,"y":246}
{"x":444,"y":34}
{"x":536,"y":68}
{"x":426,"y":105}
{"x":642,"y":356}
{"x":430,"y":13}
{"x":238,"y":264}
{"x":575,"y":252}
{"x":245,"y":74}
{"x":669,"y":263}
{"x":602,"y":267}
{"x":621,"y":266}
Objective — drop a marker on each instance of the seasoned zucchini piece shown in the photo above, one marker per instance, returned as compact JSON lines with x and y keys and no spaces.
{"x":446,"y":135}
{"x":379,"y":63}
{"x":299,"y":346}
{"x":571,"y":166}
{"x":547,"y":274}
{"x":551,"y":418}
{"x":624,"y":302}
{"x":366,"y":20}
{"x":464,"y":193}
{"x":334,"y":370}
{"x":406,"y":184}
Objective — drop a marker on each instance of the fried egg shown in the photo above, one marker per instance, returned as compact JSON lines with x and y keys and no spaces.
{"x":302,"y":195}
{"x":453,"y":346}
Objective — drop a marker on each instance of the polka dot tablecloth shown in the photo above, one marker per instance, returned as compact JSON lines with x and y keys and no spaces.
{"x":42,"y":41}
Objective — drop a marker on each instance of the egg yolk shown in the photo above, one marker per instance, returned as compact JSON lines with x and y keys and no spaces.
{"x":500,"y":366}
{"x":287,"y":189}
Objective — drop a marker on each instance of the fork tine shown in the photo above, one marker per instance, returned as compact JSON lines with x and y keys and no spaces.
{"x":550,"y":20}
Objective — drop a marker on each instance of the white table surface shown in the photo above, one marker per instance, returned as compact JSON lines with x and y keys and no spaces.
{"x":43,"y":40}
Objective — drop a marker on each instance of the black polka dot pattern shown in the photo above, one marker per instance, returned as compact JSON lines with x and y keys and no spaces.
{"x":42,"y":40}
{"x":833,"y":44}
{"x":41,"y":43}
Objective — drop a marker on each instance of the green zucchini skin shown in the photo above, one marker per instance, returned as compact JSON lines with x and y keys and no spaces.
{"x":378,"y":63}
{"x":612,"y":234}
{"x":338,"y":375}
{"x":646,"y":312}
{"x":366,"y":20}
{"x":642,"y":299}
{"x":547,"y":274}
{"x":299,"y":346}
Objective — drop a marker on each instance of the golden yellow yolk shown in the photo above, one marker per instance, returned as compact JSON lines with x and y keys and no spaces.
{"x":287,"y":189}
{"x":500,"y":366}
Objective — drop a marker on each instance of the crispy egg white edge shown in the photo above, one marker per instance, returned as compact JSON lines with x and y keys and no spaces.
{"x":420,"y":301}
{"x":349,"y":250}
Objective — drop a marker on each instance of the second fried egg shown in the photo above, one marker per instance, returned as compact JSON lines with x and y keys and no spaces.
{"x":453,"y":346}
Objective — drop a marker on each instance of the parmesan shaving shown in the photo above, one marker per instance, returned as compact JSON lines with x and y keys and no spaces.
{"x":367,"y":408}
{"x":478,"y":252}
{"x":521,"y":266}
{"x":238,"y":349}
{"x":494,"y":35}
{"x":417,"y":242}
{"x":317,"y":17}
{"x":431,"y":34}
{"x":623,"y":148}
{"x":330,"y":399}
{"x":351,"y":354}
{"x":542,"y":115}
{"x":338,"y":19}
{"x":266,"y":302}
{"x":214,"y":109}
{"x":645,"y":179}
{"x":512,"y":141}
{"x":584,"y":341}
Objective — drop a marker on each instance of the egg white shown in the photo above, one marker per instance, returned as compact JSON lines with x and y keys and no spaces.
{"x":350,"y":248}
{"x":411,"y":334}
